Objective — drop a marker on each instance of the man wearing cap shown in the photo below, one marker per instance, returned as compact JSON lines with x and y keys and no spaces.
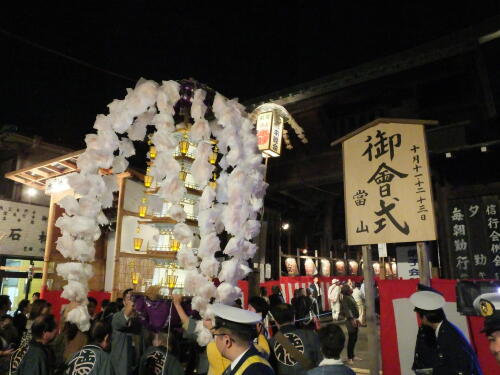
{"x":334,"y":296}
{"x":454,"y":355}
{"x":488,"y":305}
{"x":234,"y":332}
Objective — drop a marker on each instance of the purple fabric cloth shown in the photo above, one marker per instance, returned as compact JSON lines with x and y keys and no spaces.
{"x":153,"y":315}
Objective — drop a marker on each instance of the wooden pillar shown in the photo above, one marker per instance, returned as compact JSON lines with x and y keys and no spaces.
{"x":423,"y":263}
{"x":49,"y":240}
{"x":118,"y":239}
{"x":371,"y":317}
{"x":327,"y":228}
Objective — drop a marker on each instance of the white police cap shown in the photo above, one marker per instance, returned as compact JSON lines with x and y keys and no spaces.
{"x":236,"y":315}
{"x":426,"y":300}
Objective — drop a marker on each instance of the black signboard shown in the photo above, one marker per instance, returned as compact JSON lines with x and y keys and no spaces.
{"x":474,"y":240}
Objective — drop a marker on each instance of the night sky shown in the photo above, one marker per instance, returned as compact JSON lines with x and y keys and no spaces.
{"x":244,"y":50}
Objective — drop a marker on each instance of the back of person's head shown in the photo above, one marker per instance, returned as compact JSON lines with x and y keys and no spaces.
{"x":110,"y":309}
{"x":241,"y":336}
{"x":37,"y":308}
{"x":283,"y":313}
{"x":297,"y":292}
{"x":275,"y":289}
{"x":263,"y":291}
{"x":260,"y":305}
{"x":308,"y":292}
{"x":331,"y":339}
{"x":99,"y":330}
{"x":42,"y":324}
{"x":5,"y":320}
{"x":119,"y":303}
{"x":22,"y":305}
{"x":92,"y":300}
{"x":104,"y":303}
{"x":36,"y":295}
{"x":433,"y":316}
{"x":5,"y":302}
{"x":346,"y":290}
{"x":127,"y":291}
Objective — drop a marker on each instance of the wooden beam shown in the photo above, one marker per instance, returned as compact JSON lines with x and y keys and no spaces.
{"x":43,"y":173}
{"x":68,"y":164}
{"x":118,"y":239}
{"x":53,"y":168}
{"x":371,"y":317}
{"x":48,"y":242}
{"x":45,"y":163}
{"x":29,"y":177}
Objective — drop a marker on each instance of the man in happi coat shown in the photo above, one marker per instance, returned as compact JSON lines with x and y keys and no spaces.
{"x":93,"y":359}
{"x":158,"y":360}
{"x":123,"y":355}
{"x":36,"y":358}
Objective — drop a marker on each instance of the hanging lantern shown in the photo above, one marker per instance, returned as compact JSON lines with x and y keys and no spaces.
{"x":174,"y":245}
{"x":143,"y":208}
{"x":148,"y":180}
{"x":184,"y":144}
{"x":152,"y":152}
{"x":213,"y":156}
{"x":135,"y":278}
{"x":269,"y":133}
{"x":182,"y":175}
{"x":138,"y":243}
{"x":213,"y":182}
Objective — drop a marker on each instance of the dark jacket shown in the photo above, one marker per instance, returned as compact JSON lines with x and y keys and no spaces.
{"x":425,"y":349}
{"x":33,"y":359}
{"x":455,"y":355}
{"x":91,"y":360}
{"x":331,"y":370}
{"x":153,"y":362}
{"x":276,"y":299}
{"x":254,"y":362}
{"x":306,"y":341}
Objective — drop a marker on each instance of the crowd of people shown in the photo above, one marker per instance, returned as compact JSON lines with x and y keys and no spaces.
{"x":288,"y":338}
{"x":268,"y":337}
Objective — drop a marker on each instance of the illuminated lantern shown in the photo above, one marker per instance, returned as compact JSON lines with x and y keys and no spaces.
{"x":148,"y":180}
{"x":213,"y":182}
{"x":340,"y":267}
{"x":152,"y":152}
{"x":135,"y":278}
{"x":137,"y":243}
{"x":213,"y":156}
{"x":174,"y":245}
{"x":325,"y":267}
{"x":269,"y":133}
{"x":143,"y":208}
{"x":184,"y":144}
{"x":182,"y":175}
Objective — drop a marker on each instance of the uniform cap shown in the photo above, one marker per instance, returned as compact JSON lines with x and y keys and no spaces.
{"x":335,"y":281}
{"x":236,"y":315}
{"x":426,"y":300}
{"x":488,"y":305}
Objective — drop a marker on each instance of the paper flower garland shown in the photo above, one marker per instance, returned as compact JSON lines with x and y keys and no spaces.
{"x":233,"y":206}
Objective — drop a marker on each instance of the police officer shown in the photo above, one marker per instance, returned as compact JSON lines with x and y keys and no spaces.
{"x":455,"y":356}
{"x":234,"y":331}
{"x":488,"y":305}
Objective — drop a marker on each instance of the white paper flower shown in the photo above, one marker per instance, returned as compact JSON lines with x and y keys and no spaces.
{"x":183,"y":233}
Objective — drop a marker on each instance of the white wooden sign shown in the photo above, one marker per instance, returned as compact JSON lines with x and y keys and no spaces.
{"x":23,"y":229}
